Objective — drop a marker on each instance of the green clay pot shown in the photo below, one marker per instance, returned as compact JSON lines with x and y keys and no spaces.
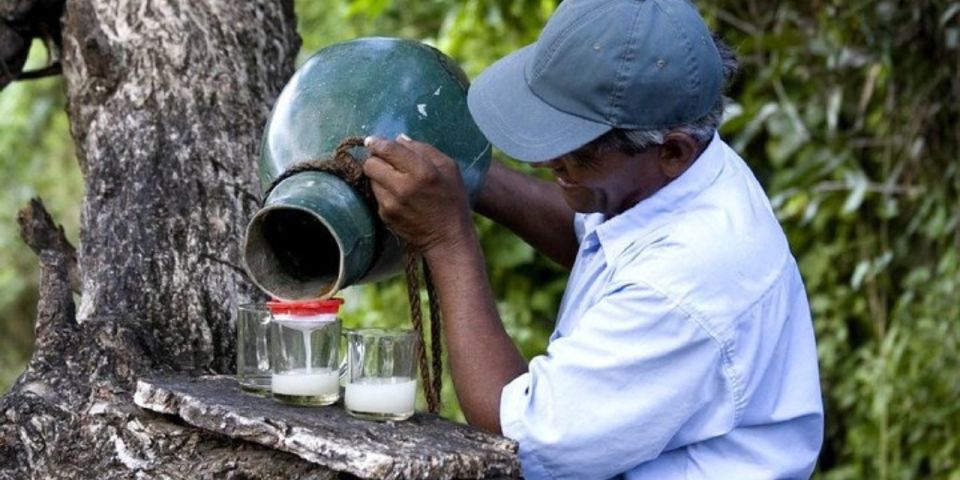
{"x":314,"y":234}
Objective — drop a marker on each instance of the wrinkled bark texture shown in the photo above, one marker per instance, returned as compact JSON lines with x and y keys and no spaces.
{"x":167,"y":100}
{"x":166,"y":103}
{"x":423,"y":447}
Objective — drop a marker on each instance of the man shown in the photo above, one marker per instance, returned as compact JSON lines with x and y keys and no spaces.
{"x":684,"y":346}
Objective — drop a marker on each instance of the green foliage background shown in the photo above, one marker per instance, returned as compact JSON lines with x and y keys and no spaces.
{"x":846,"y":110}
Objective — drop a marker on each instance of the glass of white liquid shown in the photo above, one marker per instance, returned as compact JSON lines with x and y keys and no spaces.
{"x":381,"y":374}
{"x":304,"y":351}
{"x":253,"y":361}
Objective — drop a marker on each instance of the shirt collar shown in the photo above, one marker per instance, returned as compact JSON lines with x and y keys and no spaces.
{"x":618,"y":233}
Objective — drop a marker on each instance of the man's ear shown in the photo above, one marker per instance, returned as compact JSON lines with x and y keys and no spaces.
{"x":677,"y":152}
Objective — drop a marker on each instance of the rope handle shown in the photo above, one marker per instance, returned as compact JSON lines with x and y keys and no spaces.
{"x":344,"y":165}
{"x":431,"y":381}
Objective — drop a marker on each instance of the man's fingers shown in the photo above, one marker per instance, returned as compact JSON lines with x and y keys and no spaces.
{"x":381,"y":174}
{"x":385,"y":198}
{"x":424,"y":150}
{"x":394,"y":153}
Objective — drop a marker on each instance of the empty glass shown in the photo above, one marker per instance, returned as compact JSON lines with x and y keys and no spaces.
{"x":253,"y":361}
{"x":381,"y":374}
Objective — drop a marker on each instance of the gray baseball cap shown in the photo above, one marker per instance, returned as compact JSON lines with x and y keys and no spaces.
{"x":599,"y":65}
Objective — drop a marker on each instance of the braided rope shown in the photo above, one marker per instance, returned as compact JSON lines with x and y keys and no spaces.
{"x":344,"y":165}
{"x":435,"y":332}
{"x":341,"y":164}
{"x":410,"y":263}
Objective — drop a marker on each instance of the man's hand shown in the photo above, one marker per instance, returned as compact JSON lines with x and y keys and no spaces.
{"x":423,"y":200}
{"x":419,"y":190}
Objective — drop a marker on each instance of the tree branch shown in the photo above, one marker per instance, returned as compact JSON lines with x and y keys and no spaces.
{"x":20,"y":22}
{"x":48,"y":71}
{"x":13,"y":54}
{"x":41,"y":233}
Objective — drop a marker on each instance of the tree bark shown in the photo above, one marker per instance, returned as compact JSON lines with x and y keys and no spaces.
{"x":40,"y":233}
{"x":167,"y":100}
{"x":166,"y":103}
{"x":423,"y":447}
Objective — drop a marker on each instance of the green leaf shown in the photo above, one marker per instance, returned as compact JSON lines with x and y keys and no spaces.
{"x":858,"y":185}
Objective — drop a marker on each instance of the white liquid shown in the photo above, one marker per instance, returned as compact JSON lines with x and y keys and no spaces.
{"x":390,"y":395}
{"x":307,"y":349}
{"x":306,"y":325}
{"x":305,"y":383}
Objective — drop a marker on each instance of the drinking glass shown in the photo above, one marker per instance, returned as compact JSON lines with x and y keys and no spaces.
{"x":381,"y":374}
{"x":253,"y":361}
{"x":304,"y":359}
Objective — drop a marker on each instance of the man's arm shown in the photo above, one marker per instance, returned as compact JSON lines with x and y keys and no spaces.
{"x":637,"y":377}
{"x":421,"y":197}
{"x":483,"y":358}
{"x":533,"y":209}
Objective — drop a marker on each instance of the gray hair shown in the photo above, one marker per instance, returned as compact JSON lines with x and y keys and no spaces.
{"x":702,"y":129}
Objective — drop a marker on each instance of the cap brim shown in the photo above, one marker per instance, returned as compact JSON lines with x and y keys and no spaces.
{"x":517,"y":121}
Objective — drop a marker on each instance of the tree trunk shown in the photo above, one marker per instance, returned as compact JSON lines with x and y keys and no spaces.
{"x":167,"y":100}
{"x":166,"y":103}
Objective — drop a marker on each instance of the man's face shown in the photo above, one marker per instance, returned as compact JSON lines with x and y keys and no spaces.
{"x":609,"y":183}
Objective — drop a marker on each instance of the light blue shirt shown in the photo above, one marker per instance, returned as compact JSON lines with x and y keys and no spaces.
{"x":684,"y":347}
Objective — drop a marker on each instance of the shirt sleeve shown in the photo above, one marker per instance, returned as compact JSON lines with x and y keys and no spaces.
{"x":638,"y":376}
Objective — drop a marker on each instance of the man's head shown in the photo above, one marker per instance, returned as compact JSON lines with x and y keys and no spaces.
{"x":608,"y":80}
{"x":621,"y":167}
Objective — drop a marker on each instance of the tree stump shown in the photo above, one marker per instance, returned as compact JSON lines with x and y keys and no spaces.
{"x":424,"y":446}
